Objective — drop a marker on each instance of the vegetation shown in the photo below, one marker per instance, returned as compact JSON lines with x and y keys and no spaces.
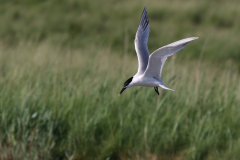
{"x":63,"y":63}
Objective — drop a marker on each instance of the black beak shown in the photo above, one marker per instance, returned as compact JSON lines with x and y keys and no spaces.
{"x":122,"y":90}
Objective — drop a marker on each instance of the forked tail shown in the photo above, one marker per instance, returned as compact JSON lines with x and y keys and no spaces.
{"x":164,"y":86}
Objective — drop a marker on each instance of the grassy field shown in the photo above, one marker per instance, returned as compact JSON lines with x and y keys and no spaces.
{"x":63,"y":63}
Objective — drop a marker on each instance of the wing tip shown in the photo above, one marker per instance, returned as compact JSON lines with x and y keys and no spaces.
{"x":192,"y":38}
{"x":144,"y":11}
{"x":144,"y":22}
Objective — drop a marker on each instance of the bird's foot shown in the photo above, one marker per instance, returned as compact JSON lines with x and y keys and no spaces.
{"x":156,"y":89}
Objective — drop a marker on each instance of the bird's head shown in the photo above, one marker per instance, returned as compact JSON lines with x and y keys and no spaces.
{"x":125,"y":86}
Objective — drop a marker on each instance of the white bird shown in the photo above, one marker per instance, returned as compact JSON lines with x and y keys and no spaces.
{"x":150,"y":66}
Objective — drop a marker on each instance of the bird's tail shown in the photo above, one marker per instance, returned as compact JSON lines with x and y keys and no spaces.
{"x":164,"y":86}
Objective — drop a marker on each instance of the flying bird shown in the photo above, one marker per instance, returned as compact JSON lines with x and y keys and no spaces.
{"x":150,"y":66}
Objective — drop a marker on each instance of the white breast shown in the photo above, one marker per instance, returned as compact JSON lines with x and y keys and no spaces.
{"x":144,"y":81}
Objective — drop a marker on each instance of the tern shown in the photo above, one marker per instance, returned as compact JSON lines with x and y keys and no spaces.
{"x":150,"y":66}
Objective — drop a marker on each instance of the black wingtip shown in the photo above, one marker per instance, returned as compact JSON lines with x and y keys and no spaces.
{"x":144,"y":19}
{"x":144,"y":10}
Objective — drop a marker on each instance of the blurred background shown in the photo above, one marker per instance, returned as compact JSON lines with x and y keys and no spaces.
{"x":63,"y":63}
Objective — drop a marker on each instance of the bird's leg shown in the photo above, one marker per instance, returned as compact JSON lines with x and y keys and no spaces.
{"x":156,"y":89}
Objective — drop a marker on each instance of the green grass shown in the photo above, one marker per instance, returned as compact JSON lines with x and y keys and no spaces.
{"x":78,"y":23}
{"x":58,"y":103}
{"x":63,"y":63}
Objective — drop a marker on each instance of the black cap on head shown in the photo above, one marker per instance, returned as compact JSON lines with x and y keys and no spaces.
{"x":126,"y":84}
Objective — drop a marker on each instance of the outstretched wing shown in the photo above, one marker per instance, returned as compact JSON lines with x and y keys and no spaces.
{"x":141,"y":40}
{"x":158,"y":57}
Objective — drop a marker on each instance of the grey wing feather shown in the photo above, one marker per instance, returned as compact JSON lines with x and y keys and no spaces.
{"x":159,"y":57}
{"x":141,"y":40}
